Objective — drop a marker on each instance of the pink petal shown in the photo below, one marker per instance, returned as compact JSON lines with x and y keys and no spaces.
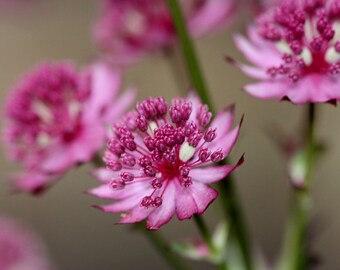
{"x":223,"y":121}
{"x":213,"y":174}
{"x":164,"y":213}
{"x":32,"y":181}
{"x":107,"y":192}
{"x":104,"y":175}
{"x":267,"y":89}
{"x":314,"y":88}
{"x":106,"y":83}
{"x":226,"y":141}
{"x":137,"y":214}
{"x":202,"y":194}
{"x":254,"y":72}
{"x":213,"y":15}
{"x":185,"y":203}
{"x":196,"y":103}
{"x":259,"y":56}
{"x":122,"y":205}
{"x":121,"y":104}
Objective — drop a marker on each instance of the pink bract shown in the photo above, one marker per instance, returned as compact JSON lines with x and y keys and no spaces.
{"x":160,"y":160}
{"x":56,"y":117}
{"x":295,"y":51}
{"x":127,"y":30}
{"x":20,"y":249}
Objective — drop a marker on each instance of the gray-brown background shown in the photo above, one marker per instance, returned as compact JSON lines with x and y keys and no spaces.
{"x":81,"y":238}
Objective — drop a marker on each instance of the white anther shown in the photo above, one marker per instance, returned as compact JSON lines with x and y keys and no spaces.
{"x":186,"y":152}
{"x":332,"y":55}
{"x":283,"y":47}
{"x":43,"y":140}
{"x":74,"y":109}
{"x":43,"y":111}
{"x":308,"y":29}
{"x":306,"y":56}
{"x":152,"y":127}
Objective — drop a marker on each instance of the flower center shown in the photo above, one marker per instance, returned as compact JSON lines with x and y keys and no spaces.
{"x":306,"y":33}
{"x":149,"y":147}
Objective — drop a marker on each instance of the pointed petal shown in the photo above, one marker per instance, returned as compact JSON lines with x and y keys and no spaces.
{"x":267,"y":89}
{"x":121,"y":104}
{"x":261,"y":56}
{"x":196,"y":103}
{"x":107,"y":192}
{"x":137,"y":214}
{"x":34,"y":182}
{"x":104,"y":175}
{"x":185,"y":203}
{"x":213,"y":15}
{"x":213,"y":174}
{"x":164,"y":213}
{"x":106,"y":82}
{"x":202,"y":194}
{"x":314,"y":88}
{"x":122,"y":205}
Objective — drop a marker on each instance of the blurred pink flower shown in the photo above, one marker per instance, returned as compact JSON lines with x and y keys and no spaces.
{"x":127,"y":30}
{"x":157,"y":166}
{"x":295,"y":52}
{"x":55,"y":119}
{"x":20,"y":249}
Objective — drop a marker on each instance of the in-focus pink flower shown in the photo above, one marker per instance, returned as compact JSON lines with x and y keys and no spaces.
{"x":20,"y":249}
{"x":161,"y":160}
{"x":55,"y":119}
{"x":126,"y":30}
{"x":295,"y":52}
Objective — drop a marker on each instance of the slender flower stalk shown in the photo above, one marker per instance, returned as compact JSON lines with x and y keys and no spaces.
{"x":189,"y":52}
{"x":227,"y":189}
{"x":204,"y":231}
{"x":295,"y":255}
{"x":162,"y":247}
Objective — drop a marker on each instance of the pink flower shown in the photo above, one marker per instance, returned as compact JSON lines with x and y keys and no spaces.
{"x":159,"y":165}
{"x":20,"y":249}
{"x":126,"y":30}
{"x":55,"y":119}
{"x":295,"y":52}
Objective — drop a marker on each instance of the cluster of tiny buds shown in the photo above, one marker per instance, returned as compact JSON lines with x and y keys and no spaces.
{"x":149,"y":146}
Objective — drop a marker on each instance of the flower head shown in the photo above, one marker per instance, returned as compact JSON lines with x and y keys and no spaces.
{"x":160,"y":160}
{"x":55,"y":119}
{"x":295,"y":49}
{"x":20,"y":249}
{"x":126,"y":30}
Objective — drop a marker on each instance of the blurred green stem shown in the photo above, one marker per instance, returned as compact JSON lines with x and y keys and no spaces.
{"x":206,"y":235}
{"x":232,"y":208}
{"x":295,"y":255}
{"x":162,"y":248}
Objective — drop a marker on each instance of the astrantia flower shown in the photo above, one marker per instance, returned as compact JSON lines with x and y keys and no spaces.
{"x":126,"y":30}
{"x":55,"y":119}
{"x":20,"y":249}
{"x":295,"y":49}
{"x":161,"y":160}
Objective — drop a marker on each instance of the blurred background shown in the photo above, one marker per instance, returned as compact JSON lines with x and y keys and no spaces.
{"x":79,"y":237}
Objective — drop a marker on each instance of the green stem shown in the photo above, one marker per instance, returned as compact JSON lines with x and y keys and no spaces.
{"x":227,"y":189}
{"x":204,"y":231}
{"x":237,"y":225}
{"x":189,"y":52}
{"x":295,"y":255}
{"x":163,"y":248}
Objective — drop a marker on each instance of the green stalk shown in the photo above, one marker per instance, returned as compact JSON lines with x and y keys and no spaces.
{"x":162,"y":247}
{"x":229,"y":197}
{"x":295,"y":247}
{"x":189,"y":52}
{"x":204,"y":231}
